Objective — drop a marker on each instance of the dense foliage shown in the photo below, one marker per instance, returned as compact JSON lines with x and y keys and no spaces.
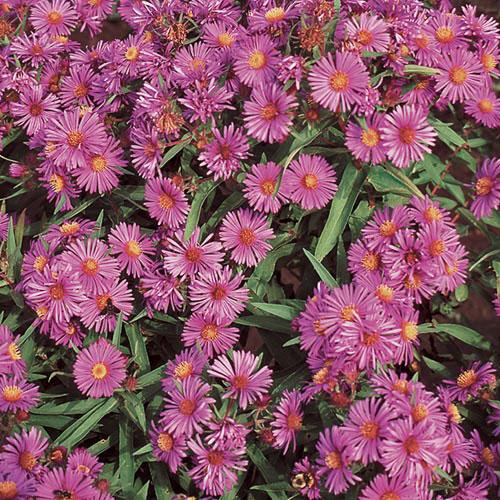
{"x":248,"y":250}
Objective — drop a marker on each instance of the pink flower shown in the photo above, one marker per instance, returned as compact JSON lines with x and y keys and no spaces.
{"x":260,"y":187}
{"x":369,"y":33}
{"x":17,"y":394}
{"x":484,"y":107}
{"x":365,"y":142}
{"x":56,"y":17}
{"x":487,"y":188}
{"x":72,"y":483}
{"x":167,"y":447}
{"x":384,"y":487}
{"x":165,"y":202}
{"x":287,"y":421}
{"x":23,"y":451}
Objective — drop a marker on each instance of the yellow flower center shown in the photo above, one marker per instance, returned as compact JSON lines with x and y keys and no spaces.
{"x":318,"y":328}
{"x":268,"y":187}
{"x":98,"y":163}
{"x":348,"y":313}
{"x":198,"y":63}
{"x":400,"y":386}
{"x":487,"y":456}
{"x":99,"y":371}
{"x":132,"y":54}
{"x":165,"y":441}
{"x":240,"y":382}
{"x":69,"y":228}
{"x":458,"y":75}
{"x":333,"y":460}
{"x":193,"y":254}
{"x":409,"y":331}
{"x":466,"y":379}
{"x":184,"y":370}
{"x":257,"y":59}
{"x":14,"y":352}
{"x":422,"y":41}
{"x":166,"y":201}
{"x":454,"y":413}
{"x":365,"y":37}
{"x":12,"y":393}
{"x":484,"y":186}
{"x":75,"y":138}
{"x":8,"y":490}
{"x":27,"y":461}
{"x":488,"y":61}
{"x":133,"y":249}
{"x":444,"y":34}
{"x":339,"y":81}
{"x":310,"y":181}
{"x":275,"y":15}
{"x":209,"y":332}
{"x":412,"y":283}
{"x":54,"y":17}
{"x":247,"y":236}
{"x":40,"y":263}
{"x":370,"y":261}
{"x":225,"y":39}
{"x":437,"y":248}
{"x":387,"y":229}
{"x":56,"y":182}
{"x":269,"y":112}
{"x":385,"y":293}
{"x":419,"y":412}
{"x":432,"y":213}
{"x":90,"y":267}
{"x":370,"y":137}
{"x":485,"y":105}
{"x":81,"y":90}
{"x":102,"y":301}
{"x":369,"y":430}
{"x":390,"y":495}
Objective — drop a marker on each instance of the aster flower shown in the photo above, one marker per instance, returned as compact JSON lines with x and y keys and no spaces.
{"x":17,"y":484}
{"x":368,"y":33}
{"x":69,"y":333}
{"x":35,"y":48}
{"x":101,"y":169}
{"x":56,"y":17}
{"x":187,"y":408}
{"x":474,"y":488}
{"x":69,"y":230}
{"x":487,"y":188}
{"x":484,"y":107}
{"x":407,"y":135}
{"x":218,"y":293}
{"x":384,"y":487}
{"x":309,"y":181}
{"x":34,"y":110}
{"x":167,"y":448}
{"x":22,"y":451}
{"x":165,"y":202}
{"x":267,"y":115}
{"x":469,"y":382}
{"x":256,"y":61}
{"x":99,"y":369}
{"x":287,"y":421}
{"x":61,"y":189}
{"x":195,"y":62}
{"x":245,"y":235}
{"x":246,"y":382}
{"x":488,"y":458}
{"x":187,"y":365}
{"x":260,"y":187}
{"x":424,"y":211}
{"x":460,"y":75}
{"x":131,"y":248}
{"x":447,"y":30}
{"x":65,"y":483}
{"x":338,"y":83}
{"x":78,"y":87}
{"x":214,"y":467}
{"x":391,"y":385}
{"x":482,"y":26}
{"x":222,"y":157}
{"x":212,"y":334}
{"x":220,"y":35}
{"x":334,"y":458}
{"x":17,"y":394}
{"x":83,"y":462}
{"x":11,"y":360}
{"x":90,"y":262}
{"x":99,"y":310}
{"x":365,"y":142}
{"x":362,"y":261}
{"x":146,"y":150}
{"x":161,"y":290}
{"x":311,"y":489}
{"x":74,"y":137}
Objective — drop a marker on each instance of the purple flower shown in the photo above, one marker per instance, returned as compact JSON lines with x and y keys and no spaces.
{"x":487,"y":188}
{"x":66,"y":483}
{"x":167,"y":448}
{"x":287,"y":421}
{"x":23,"y":451}
{"x":260,"y":187}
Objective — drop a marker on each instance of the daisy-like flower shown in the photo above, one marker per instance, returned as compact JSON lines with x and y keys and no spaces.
{"x":15,"y":484}
{"x":11,"y":360}
{"x":17,"y":394}
{"x":190,"y":257}
{"x":146,"y":149}
{"x":22,"y":451}
{"x":365,"y":142}
{"x":69,"y":230}
{"x":218,"y":293}
{"x":310,"y":489}
{"x":488,"y":458}
{"x":214,"y":469}
{"x":447,"y":30}
{"x":246,"y":382}
{"x":256,"y":61}
{"x":80,"y":460}
{"x":487,"y":188}
{"x":165,"y":202}
{"x":99,"y":369}
{"x":383,"y":487}
{"x":34,"y":110}
{"x":260,"y":187}
{"x":100,"y":171}
{"x":366,"y":427}
{"x":287,"y":421}
{"x":407,"y":135}
{"x":131,"y":248}
{"x":166,"y":447}
{"x":161,"y":290}
{"x":439,"y":243}
{"x":78,"y":87}
{"x":35,"y":49}
{"x":245,"y":234}
{"x":411,"y":450}
{"x":268,"y":113}
{"x":195,"y":62}
{"x":212,"y":334}
{"x":56,"y":17}
{"x":456,"y":271}
{"x":220,"y":35}
{"x":460,"y":75}
{"x":309,"y":181}
{"x":363,"y":261}
{"x":100,"y":310}
{"x":65,"y":483}
{"x":58,"y":291}
{"x":424,"y":211}
{"x":484,"y":107}
{"x":338,"y":84}
{"x":186,"y":408}
{"x":188,"y":364}
{"x":91,"y":263}
{"x":60,"y":188}
{"x":74,"y":137}
{"x":222,"y":157}
{"x":335,"y":454}
{"x":272,"y":18}
{"x":407,"y":324}
{"x":368,"y":33}
{"x":471,"y":381}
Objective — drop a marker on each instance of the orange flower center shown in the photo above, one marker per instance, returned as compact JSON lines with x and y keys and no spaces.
{"x":458,"y":75}
{"x":209,"y":332}
{"x":8,"y":490}
{"x":133,"y":249}
{"x":400,"y":386}
{"x":36,"y":109}
{"x":370,"y":137}
{"x":419,"y":412}
{"x":132,"y":54}
{"x":166,"y":201}
{"x":102,"y":301}
{"x":422,"y":84}
{"x":99,"y":371}
{"x":485,"y":105}
{"x":54,"y":17}
{"x":333,"y":460}
{"x":81,"y":90}
{"x":269,"y":112}
{"x":422,"y":41}
{"x":215,"y":457}
{"x":365,"y":37}
{"x":484,"y":186}
{"x":165,"y":441}
{"x":370,"y":338}
{"x":225,"y":40}
{"x":268,"y":187}
{"x":407,"y":135}
{"x":41,"y":311}
{"x":370,"y":261}
{"x":466,"y":379}
{"x":257,"y":59}
{"x":193,"y":254}
{"x":444,"y":34}
{"x":98,"y":163}
{"x":385,"y":293}
{"x":184,"y":370}
{"x":247,"y":236}
{"x":409,"y":331}
{"x":240,"y":382}
{"x":12,"y":393}
{"x":69,"y":228}
{"x":348,"y":313}
{"x":56,"y":291}
{"x":218,"y":293}
{"x":320,"y":376}
{"x":27,"y":461}
{"x":225,"y":152}
{"x":318,"y":329}
{"x":452,"y":269}
{"x":454,"y":414}
{"x":412,"y":283}
{"x":487,"y":456}
{"x":294,"y":422}
{"x":90,"y":267}
{"x":432,"y":213}
{"x":40,"y":263}
{"x":488,"y":61}
{"x":369,"y":430}
{"x":14,"y":352}
{"x":187,"y":406}
{"x":75,"y":138}
{"x":437,"y":248}
{"x":387,"y":229}
{"x":339,"y":81}
{"x":198,"y":63}
{"x":390,"y":495}
{"x":275,"y":15}
{"x":310,"y":181}
{"x":411,"y":445}
{"x":56,"y":182}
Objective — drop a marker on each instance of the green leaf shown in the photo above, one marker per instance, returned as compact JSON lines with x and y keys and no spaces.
{"x":447,"y":134}
{"x":435,"y":366}
{"x":194,"y":213}
{"x":462,"y":293}
{"x":265,"y":322}
{"x":279,"y":310}
{"x":465,"y":335}
{"x":269,"y":473}
{"x":232,"y":202}
{"x":126,"y":461}
{"x":133,"y":407}
{"x":174,"y":150}
{"x":138,"y":347}
{"x":161,"y":482}
{"x":117,"y":334}
{"x":68,"y":408}
{"x":420,"y":70}
{"x":292,"y":341}
{"x":321,"y":270}
{"x":340,"y":210}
